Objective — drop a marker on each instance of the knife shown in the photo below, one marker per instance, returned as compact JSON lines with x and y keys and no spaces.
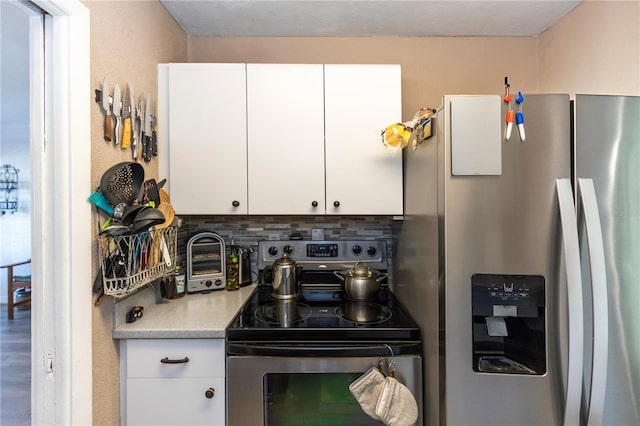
{"x":146,"y":153}
{"x":141,"y":140}
{"x":108,"y":123}
{"x":127,"y":106}
{"x":137,"y":136}
{"x":117,"y":110}
{"x":154,"y":136}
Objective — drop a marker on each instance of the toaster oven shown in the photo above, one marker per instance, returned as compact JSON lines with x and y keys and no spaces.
{"x":205,"y":263}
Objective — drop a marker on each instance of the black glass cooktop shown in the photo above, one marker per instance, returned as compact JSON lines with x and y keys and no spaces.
{"x":322,"y":314}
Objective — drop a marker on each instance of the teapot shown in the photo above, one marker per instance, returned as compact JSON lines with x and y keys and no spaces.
{"x":285,"y":278}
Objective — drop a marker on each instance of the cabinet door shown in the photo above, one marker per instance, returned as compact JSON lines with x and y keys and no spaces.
{"x":362,"y":175}
{"x":207,"y":138}
{"x":175,"y":402}
{"x":285,"y":139}
{"x":203,"y":358}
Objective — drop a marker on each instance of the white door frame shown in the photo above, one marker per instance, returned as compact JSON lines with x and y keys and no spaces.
{"x":61,"y":376}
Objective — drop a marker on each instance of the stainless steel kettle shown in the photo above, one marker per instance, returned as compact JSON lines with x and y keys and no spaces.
{"x":285,"y":278}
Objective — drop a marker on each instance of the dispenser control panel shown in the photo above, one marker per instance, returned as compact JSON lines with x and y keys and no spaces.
{"x":508,"y":289}
{"x":526,"y":292}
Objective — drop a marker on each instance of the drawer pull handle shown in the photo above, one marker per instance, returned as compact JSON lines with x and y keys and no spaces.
{"x":209,"y":393}
{"x":166,"y":360}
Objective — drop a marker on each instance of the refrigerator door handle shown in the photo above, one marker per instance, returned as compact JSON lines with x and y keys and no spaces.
{"x":574,"y":295}
{"x":600,"y":304}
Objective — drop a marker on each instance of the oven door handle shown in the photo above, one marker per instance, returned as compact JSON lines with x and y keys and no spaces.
{"x":328,"y":349}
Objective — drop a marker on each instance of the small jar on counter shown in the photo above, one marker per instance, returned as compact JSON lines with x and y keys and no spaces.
{"x":233,"y":271}
{"x":181,"y":286}
{"x":172,"y":285}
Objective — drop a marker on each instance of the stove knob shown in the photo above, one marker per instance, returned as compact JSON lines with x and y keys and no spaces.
{"x":288,"y":249}
{"x":208,"y":283}
{"x":356,"y":249}
{"x":371,"y":251}
{"x":273,"y":250}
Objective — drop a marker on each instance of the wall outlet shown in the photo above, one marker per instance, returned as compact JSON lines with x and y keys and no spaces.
{"x":317,"y":234}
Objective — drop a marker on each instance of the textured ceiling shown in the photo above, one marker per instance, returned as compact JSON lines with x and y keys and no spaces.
{"x":326,"y":18}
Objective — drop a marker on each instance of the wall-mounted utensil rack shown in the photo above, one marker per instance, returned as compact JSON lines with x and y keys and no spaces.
{"x":132,"y":261}
{"x":8,"y":188}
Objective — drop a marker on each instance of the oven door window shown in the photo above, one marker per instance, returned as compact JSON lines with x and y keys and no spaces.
{"x":312,"y":399}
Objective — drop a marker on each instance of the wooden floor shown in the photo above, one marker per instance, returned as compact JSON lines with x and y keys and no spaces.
{"x":15,"y":368}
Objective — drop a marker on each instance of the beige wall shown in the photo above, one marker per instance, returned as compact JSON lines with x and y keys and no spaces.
{"x":594,"y":49}
{"x":431,"y":66}
{"x":128,"y":40}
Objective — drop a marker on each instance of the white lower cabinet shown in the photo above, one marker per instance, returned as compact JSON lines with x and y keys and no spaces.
{"x":172,"y":381}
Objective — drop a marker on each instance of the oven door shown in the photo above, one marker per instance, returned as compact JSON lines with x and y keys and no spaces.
{"x":308,"y":384}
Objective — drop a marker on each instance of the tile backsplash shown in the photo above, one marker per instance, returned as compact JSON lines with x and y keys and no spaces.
{"x":246,"y":231}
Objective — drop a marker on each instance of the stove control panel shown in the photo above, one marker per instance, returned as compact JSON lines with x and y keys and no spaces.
{"x":338,"y":254}
{"x":322,"y":250}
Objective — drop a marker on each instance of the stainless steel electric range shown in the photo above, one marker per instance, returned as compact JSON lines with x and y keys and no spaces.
{"x":291,"y":361}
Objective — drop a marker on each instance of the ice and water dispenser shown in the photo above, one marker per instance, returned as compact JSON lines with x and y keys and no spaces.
{"x":509,"y":331}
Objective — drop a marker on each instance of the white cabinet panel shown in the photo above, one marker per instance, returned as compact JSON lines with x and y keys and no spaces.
{"x":207,"y":138}
{"x":361,"y":174}
{"x":176,"y":402}
{"x":156,"y":393}
{"x":206,"y":357}
{"x":285,"y":113}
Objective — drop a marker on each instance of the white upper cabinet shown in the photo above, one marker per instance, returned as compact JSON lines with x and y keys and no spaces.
{"x":285,"y":116}
{"x":281,"y":138}
{"x":362,"y":176}
{"x":207,"y":138}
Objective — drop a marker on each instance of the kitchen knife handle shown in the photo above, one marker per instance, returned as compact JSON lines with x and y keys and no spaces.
{"x":146,"y":149}
{"x":117,"y":130}
{"x":154,"y":144}
{"x":108,"y":128}
{"x":135,"y":147}
{"x":126,"y":133}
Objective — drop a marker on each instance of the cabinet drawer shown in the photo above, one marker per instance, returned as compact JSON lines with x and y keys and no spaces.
{"x":175,"y":402}
{"x":206,"y":357}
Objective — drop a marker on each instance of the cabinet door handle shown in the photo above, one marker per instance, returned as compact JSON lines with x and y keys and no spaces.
{"x":336,"y":204}
{"x":314,"y":204}
{"x":235,"y":203}
{"x":166,"y":360}
{"x":209,"y":393}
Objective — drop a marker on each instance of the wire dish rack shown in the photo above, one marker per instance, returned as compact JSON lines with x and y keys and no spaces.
{"x":132,"y":261}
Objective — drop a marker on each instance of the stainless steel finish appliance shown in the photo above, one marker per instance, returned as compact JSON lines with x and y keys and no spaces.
{"x":522,"y":323}
{"x":205,"y":263}
{"x":293,"y":360}
{"x":285,"y":278}
{"x":607,"y":151}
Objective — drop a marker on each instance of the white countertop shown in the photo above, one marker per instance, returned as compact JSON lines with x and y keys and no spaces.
{"x":193,"y":316}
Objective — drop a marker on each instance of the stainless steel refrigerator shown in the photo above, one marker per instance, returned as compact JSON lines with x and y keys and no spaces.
{"x":520,"y":260}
